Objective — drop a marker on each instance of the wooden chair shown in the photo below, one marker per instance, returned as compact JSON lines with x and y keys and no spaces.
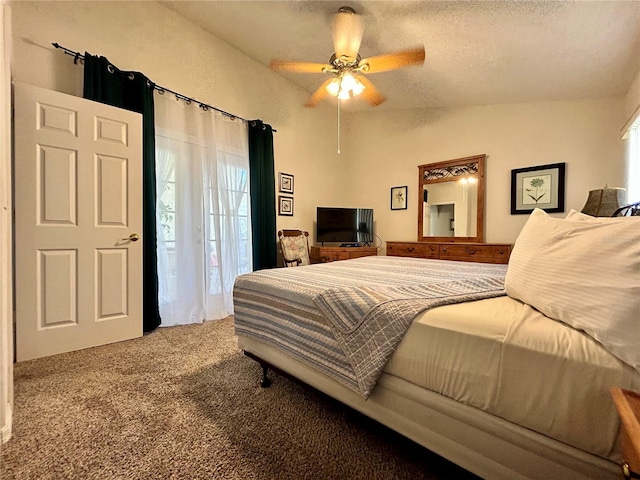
{"x":294,"y":247}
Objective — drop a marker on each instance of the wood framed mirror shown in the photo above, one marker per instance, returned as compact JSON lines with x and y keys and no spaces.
{"x":451,"y":200}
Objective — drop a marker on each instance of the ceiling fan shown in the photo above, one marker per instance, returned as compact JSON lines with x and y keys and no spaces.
{"x":348,"y":71}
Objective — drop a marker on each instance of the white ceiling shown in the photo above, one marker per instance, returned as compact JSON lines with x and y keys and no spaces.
{"x":477,"y":52}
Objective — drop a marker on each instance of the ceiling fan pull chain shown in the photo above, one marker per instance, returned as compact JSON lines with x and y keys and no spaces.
{"x":338,"y":99}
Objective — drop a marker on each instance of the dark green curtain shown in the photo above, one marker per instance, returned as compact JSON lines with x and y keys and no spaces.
{"x":105,"y":83}
{"x":263,"y":195}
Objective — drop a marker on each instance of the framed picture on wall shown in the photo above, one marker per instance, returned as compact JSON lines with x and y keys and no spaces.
{"x":285,"y":183}
{"x":399,"y":198}
{"x":285,"y":205}
{"x":538,"y":187}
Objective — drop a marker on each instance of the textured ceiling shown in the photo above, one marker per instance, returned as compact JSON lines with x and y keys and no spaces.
{"x":477,"y":52}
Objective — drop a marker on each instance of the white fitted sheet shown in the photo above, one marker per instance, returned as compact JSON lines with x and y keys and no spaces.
{"x":504,"y":357}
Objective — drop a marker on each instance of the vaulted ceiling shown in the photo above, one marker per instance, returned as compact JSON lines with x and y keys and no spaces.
{"x":477,"y":52}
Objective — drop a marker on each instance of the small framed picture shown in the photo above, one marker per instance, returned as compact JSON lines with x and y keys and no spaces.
{"x":286,"y":183}
{"x":538,"y":187}
{"x":285,"y":205}
{"x":399,"y":198}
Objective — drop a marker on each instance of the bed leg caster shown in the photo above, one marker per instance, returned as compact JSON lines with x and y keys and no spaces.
{"x":265,"y":382}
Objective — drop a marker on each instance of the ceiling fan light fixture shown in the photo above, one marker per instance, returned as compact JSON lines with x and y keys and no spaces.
{"x":334,"y":87}
{"x":344,"y":95}
{"x":358,"y":87}
{"x":345,"y":86}
{"x":348,"y":82}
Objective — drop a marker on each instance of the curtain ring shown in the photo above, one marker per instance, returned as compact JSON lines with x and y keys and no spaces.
{"x":253,"y":123}
{"x":187,"y":101}
{"x":110,"y":68}
{"x":160,"y":90}
{"x":131,"y":76}
{"x":77,"y":57}
{"x":204,"y":107}
{"x":264,"y":127}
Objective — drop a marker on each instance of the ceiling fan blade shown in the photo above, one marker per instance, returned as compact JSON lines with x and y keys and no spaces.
{"x":370,"y":93}
{"x":319,"y":95}
{"x":300,"y":67}
{"x":391,"y":61}
{"x":347,"y":33}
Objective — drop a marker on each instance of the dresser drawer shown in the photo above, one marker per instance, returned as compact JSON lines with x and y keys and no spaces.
{"x":501,"y":253}
{"x":461,"y":252}
{"x":413,"y":249}
{"x":333,"y":254}
{"x":475,"y":253}
{"x":330,"y":256}
{"x":359,"y":253}
{"x":468,"y":253}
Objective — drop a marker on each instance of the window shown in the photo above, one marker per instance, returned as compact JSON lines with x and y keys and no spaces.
{"x":228,"y":211}
{"x":633,"y":163}
{"x":166,"y":224}
{"x":204,"y":222}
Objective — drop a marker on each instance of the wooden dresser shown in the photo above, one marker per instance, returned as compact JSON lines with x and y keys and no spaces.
{"x":464,"y":252}
{"x":332,"y":254}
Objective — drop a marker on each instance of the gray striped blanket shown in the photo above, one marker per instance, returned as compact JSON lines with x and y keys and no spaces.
{"x":346,"y":318}
{"x":369,"y":322}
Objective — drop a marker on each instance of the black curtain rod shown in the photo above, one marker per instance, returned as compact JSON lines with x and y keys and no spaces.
{"x":79,"y":57}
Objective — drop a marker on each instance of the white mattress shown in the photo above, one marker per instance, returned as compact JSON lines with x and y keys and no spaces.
{"x":493,"y":364}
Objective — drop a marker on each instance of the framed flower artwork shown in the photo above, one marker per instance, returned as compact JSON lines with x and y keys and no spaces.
{"x":399,"y":198}
{"x":538,"y":187}
{"x":285,"y":183}
{"x":285,"y":205}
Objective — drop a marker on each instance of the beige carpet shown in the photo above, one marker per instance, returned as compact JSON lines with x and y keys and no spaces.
{"x":184,"y":403}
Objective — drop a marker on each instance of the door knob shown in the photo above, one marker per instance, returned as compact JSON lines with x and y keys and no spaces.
{"x":134,"y":237}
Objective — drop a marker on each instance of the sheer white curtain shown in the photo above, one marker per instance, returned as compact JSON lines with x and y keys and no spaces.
{"x":633,"y":164}
{"x":204,"y":224}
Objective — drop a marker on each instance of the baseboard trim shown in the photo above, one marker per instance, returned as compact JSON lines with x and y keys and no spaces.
{"x":6,"y":429}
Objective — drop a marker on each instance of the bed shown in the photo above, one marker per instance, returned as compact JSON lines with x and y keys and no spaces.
{"x":438,"y":351}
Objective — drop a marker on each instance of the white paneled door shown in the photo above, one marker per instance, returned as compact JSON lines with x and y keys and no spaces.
{"x":78,"y":223}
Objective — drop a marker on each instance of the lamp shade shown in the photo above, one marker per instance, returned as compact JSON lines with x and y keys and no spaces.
{"x":603,"y":202}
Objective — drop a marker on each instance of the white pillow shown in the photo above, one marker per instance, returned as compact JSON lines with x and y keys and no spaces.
{"x":576,"y":215}
{"x":583,"y":273}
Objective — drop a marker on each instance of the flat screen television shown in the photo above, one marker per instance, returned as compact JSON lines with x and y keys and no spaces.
{"x":345,"y":225}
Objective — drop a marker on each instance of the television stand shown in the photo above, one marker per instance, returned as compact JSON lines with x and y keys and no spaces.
{"x":321,"y":254}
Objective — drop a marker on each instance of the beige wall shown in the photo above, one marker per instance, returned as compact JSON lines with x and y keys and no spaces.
{"x":384,"y":150}
{"x":173,"y":52}
{"x":379,"y":149}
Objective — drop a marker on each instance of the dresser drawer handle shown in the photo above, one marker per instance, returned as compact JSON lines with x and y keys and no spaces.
{"x":471,"y":251}
{"x":501,"y":252}
{"x":444,"y":249}
{"x":433,"y":249}
{"x":410,"y":249}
